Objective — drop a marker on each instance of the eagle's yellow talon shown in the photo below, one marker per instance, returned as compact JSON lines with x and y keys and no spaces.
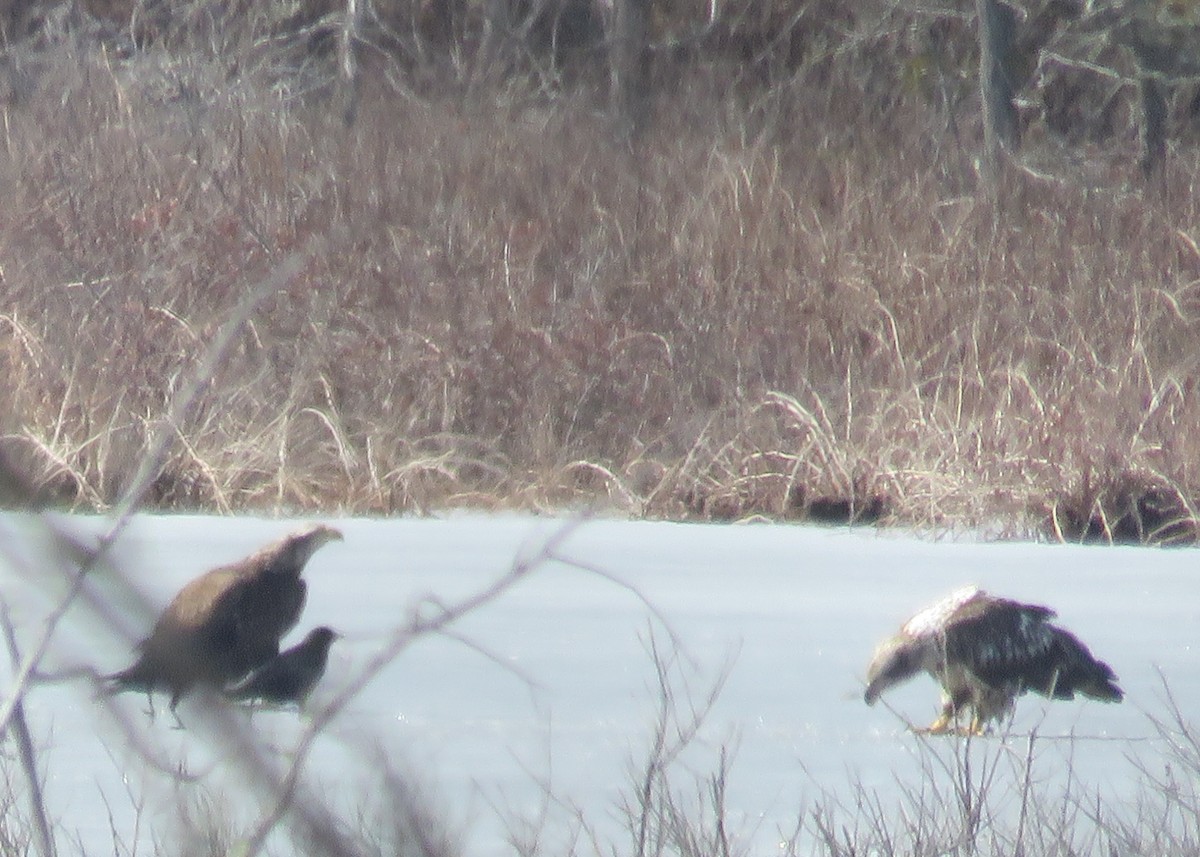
{"x":941,"y":726}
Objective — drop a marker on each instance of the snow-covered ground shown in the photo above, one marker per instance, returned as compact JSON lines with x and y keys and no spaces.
{"x":552,"y":687}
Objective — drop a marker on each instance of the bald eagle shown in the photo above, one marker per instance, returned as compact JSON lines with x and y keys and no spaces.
{"x":227,"y":622}
{"x":986,"y":651}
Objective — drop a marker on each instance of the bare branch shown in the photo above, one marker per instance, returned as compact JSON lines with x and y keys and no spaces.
{"x":20,"y":727}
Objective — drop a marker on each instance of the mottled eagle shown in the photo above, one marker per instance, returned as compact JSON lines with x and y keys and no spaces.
{"x":227,"y":622}
{"x":292,"y":675}
{"x":986,"y":651}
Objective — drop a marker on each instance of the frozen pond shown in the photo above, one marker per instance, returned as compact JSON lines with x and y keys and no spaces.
{"x":552,"y":688}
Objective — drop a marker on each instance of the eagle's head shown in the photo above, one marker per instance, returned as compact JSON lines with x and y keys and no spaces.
{"x":896,"y":660}
{"x":298,"y":548}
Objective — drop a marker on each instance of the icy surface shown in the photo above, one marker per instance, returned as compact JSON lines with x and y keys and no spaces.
{"x":552,"y":687}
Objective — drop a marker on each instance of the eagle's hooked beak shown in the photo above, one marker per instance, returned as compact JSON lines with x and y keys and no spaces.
{"x":895,"y":661}
{"x":871,"y":693}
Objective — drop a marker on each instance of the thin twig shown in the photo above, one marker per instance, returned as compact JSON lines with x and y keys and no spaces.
{"x":37,"y":801}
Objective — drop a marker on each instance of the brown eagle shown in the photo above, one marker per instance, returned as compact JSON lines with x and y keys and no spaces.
{"x":986,"y":651}
{"x":227,"y":622}
{"x":292,"y":675}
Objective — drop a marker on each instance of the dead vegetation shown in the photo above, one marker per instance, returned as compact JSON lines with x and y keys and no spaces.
{"x":792,"y":297}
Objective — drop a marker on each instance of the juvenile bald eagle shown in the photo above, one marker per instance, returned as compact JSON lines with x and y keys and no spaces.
{"x":226,"y":622}
{"x":292,"y":675}
{"x":986,"y":651}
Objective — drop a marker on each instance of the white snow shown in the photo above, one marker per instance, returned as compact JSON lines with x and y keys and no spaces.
{"x":552,"y":687}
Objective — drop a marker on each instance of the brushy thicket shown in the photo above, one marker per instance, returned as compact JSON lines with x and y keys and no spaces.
{"x":791,"y":294}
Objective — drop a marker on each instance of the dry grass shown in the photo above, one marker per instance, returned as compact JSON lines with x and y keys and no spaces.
{"x":791,"y":297}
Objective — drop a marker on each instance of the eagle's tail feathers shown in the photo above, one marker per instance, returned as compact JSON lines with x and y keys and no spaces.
{"x":1097,"y":680}
{"x":139,"y":677}
{"x":1103,"y":686}
{"x":1094,"y":679}
{"x":1080,"y":671}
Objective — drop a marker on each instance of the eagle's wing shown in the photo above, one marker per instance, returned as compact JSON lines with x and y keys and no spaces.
{"x":259,"y":612}
{"x":273,"y":605}
{"x":190,"y":638}
{"x":184,"y":629}
{"x":1002,"y":641}
{"x":231,"y":619}
{"x":196,"y":603}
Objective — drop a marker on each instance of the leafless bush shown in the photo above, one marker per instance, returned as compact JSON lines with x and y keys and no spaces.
{"x":661,"y":817}
{"x":992,"y":797}
{"x":788,"y":301}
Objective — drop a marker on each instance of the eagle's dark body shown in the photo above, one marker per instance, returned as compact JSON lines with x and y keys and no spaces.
{"x":986,"y":651}
{"x":227,"y":622}
{"x":292,"y":675}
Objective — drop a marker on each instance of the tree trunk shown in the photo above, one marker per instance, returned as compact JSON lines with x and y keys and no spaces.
{"x":997,"y":37}
{"x":629,"y":63}
{"x":348,"y":74}
{"x":497,"y":24}
{"x":1154,"y":124}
